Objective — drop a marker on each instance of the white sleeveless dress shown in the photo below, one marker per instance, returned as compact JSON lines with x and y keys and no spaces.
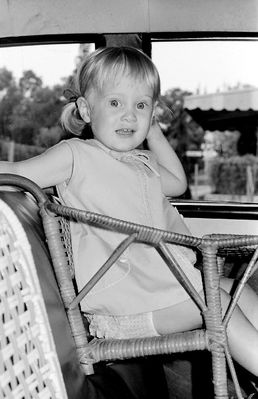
{"x":125,"y":186}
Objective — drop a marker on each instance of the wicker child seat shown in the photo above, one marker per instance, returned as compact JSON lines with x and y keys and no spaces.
{"x":213,"y":248}
{"x":29,"y":366}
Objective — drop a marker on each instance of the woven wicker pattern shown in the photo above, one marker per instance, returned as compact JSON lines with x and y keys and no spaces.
{"x":66,"y":238}
{"x":29,"y":367}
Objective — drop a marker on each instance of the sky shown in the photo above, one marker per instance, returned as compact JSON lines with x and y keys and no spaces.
{"x":205,"y":66}
{"x":50,"y":62}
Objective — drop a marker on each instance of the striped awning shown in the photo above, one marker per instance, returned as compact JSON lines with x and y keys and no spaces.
{"x":243,"y":100}
{"x":224,"y":110}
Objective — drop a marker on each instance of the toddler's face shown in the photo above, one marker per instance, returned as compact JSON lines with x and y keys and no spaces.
{"x":121,"y":113}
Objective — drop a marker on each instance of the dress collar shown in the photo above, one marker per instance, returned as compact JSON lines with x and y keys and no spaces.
{"x":142,"y":156}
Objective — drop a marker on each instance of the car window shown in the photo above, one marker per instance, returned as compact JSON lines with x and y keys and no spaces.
{"x":210,"y":117}
{"x":211,"y":87}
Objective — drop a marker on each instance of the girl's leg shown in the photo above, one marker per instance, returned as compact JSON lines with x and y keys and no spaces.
{"x":242,"y":336}
{"x":248,"y":301}
{"x":177,"y":318}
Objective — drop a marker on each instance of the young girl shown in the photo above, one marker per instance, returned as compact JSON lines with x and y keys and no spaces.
{"x":116,"y":93}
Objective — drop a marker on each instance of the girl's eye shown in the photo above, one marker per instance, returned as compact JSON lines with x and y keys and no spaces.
{"x":114,"y":103}
{"x":141,"y":105}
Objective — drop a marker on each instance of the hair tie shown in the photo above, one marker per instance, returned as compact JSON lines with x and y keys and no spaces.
{"x":71,"y":97}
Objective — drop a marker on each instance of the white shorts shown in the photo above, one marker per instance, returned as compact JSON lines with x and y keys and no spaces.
{"x":122,"y":327}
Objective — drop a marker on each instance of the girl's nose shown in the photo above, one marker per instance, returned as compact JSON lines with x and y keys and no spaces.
{"x":129,"y":114}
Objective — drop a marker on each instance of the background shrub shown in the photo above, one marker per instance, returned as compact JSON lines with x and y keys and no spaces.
{"x":229,"y":175}
{"x":21,"y":151}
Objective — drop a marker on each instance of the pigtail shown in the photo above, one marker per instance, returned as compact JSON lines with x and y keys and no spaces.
{"x":71,"y":120}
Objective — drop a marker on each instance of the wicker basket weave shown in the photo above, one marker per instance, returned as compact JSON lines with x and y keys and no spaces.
{"x":29,"y":367}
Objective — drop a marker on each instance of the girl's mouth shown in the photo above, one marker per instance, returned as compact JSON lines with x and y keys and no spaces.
{"x":125,"y":132}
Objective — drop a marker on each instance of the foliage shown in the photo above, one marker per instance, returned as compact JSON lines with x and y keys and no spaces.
{"x":6,"y":78}
{"x":21,"y":151}
{"x":9,"y":99}
{"x":181,"y":130}
{"x":224,"y":143}
{"x":27,"y":107}
{"x":48,"y":137}
{"x":229,"y":175}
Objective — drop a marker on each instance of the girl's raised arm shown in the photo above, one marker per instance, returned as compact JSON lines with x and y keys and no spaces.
{"x":47,"y":169}
{"x":173,"y":177}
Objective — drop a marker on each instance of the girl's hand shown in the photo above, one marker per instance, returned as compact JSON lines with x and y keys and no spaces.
{"x":172,"y":174}
{"x":155,"y":131}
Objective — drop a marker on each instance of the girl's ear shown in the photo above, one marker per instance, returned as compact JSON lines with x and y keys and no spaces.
{"x":84,"y":109}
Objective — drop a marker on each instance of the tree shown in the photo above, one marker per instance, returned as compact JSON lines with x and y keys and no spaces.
{"x":48,"y":137}
{"x":6,"y":79}
{"x":39,"y":108}
{"x":180,"y":129}
{"x":29,"y":84}
{"x":9,"y":99}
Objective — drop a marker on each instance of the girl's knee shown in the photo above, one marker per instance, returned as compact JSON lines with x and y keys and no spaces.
{"x":170,"y":320}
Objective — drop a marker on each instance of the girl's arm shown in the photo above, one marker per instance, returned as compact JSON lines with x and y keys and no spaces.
{"x":173,"y":178}
{"x":52,"y":167}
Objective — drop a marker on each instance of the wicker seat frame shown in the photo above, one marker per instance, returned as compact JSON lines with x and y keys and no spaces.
{"x":213,"y":248}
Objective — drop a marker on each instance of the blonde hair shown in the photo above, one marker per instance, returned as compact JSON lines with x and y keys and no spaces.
{"x":102,"y":66}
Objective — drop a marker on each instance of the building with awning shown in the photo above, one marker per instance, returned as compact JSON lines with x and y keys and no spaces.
{"x":224,"y":110}
{"x":231,"y":110}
